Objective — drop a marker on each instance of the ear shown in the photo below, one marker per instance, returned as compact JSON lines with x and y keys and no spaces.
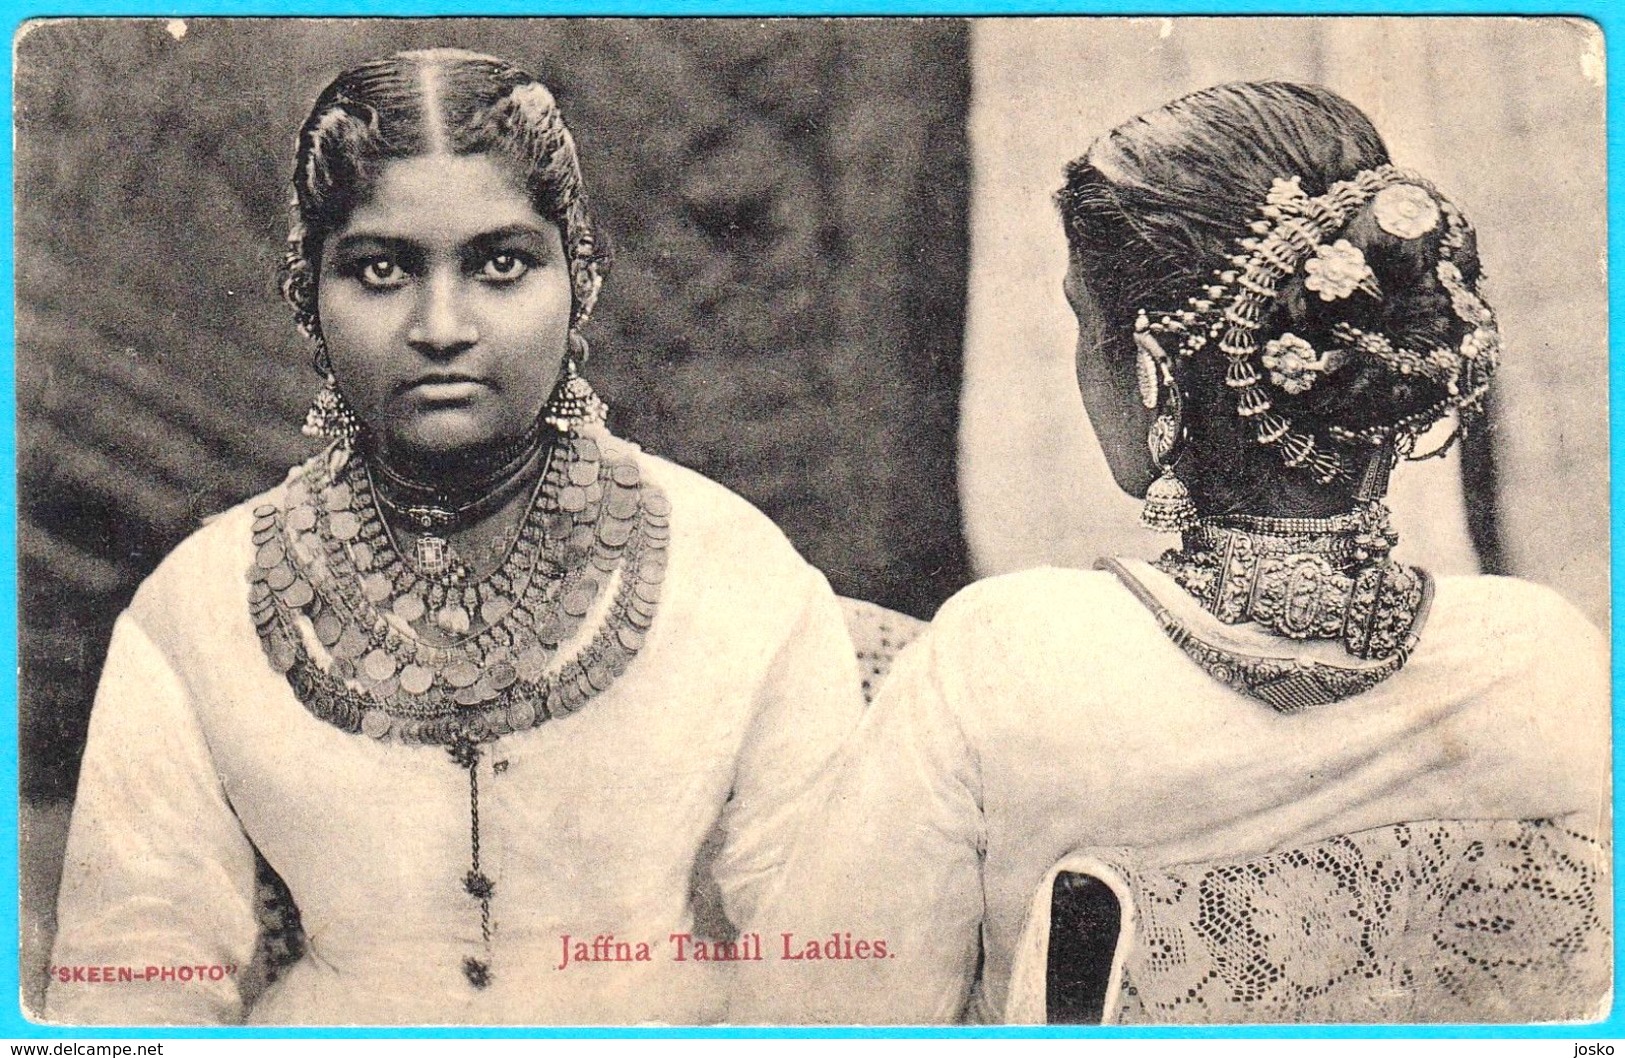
{"x":585,"y":282}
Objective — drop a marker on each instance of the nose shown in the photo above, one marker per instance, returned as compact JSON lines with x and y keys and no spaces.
{"x":442,"y":325}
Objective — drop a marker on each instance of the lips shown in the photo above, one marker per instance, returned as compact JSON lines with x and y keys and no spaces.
{"x":444,"y":386}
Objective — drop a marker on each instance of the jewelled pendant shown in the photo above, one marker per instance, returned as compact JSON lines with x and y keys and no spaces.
{"x":433,"y":555}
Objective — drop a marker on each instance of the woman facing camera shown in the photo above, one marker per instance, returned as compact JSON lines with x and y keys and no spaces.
{"x":1285,"y":775}
{"x":479,"y":679}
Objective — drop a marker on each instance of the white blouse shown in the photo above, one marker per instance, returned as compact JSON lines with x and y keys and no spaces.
{"x":589,"y":824}
{"x":1046,"y":712}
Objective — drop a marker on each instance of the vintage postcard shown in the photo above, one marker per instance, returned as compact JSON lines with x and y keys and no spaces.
{"x":813,"y":521}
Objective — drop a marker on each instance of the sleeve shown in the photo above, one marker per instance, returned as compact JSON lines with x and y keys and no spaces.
{"x":808,"y":704}
{"x":877,"y":917}
{"x":155,"y":913}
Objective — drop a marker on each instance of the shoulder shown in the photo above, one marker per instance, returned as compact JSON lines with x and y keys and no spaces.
{"x":1536,"y":673}
{"x":1045,"y":603}
{"x":709,"y":514}
{"x":207,"y":569}
{"x":1016,"y":644}
{"x":1523,"y":638}
{"x":1516,"y":620}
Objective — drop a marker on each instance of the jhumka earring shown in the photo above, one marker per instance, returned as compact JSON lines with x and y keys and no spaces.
{"x":1168,"y":507}
{"x":574,"y":403}
{"x":329,"y":415}
{"x":1375,"y":537}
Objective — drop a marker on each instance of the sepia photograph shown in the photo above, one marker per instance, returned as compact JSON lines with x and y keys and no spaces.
{"x":813,"y":521}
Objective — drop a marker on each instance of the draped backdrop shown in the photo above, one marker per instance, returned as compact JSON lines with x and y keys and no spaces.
{"x":787,"y":205}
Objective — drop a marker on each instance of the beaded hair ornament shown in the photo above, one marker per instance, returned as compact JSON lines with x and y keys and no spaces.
{"x":1296,"y":232}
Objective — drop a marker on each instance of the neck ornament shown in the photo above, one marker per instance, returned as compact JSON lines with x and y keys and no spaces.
{"x":481,"y":486}
{"x":374,"y":644}
{"x":1306,"y":578}
{"x":1287,"y":678}
{"x":436,"y":511}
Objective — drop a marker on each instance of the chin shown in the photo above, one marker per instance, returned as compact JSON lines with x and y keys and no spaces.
{"x":447,"y":433}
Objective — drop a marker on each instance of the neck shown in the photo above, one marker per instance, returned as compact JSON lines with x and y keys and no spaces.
{"x":456,"y":477}
{"x":1267,"y":495}
{"x":462,"y":491}
{"x":1247,"y":479}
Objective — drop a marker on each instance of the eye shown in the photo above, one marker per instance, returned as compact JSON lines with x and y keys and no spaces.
{"x":380,"y":273}
{"x":505,"y":267}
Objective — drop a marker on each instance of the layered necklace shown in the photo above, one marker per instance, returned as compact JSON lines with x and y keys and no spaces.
{"x":339,"y":607}
{"x":419,"y":647}
{"x":1301,"y":579}
{"x":434,"y":510}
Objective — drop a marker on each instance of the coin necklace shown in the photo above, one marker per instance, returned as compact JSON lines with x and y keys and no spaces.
{"x":563,"y":614}
{"x":327,"y":576}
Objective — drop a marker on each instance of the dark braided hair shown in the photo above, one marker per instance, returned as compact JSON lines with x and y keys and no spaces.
{"x":417,"y":103}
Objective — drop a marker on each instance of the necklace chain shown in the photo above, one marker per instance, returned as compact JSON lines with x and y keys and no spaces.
{"x":436,"y":572}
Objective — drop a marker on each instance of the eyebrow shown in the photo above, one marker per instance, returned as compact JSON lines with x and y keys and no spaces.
{"x":362,"y":239}
{"x":497,"y":236}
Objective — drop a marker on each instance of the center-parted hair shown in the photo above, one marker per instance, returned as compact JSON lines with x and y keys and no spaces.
{"x":1157,"y":206}
{"x":424,"y":102}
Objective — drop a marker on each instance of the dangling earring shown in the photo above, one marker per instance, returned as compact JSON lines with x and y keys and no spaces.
{"x":1168,"y":507}
{"x":574,"y":403}
{"x":1375,"y":537}
{"x":329,"y":415}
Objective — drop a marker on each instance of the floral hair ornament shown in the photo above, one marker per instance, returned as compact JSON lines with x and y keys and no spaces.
{"x":1406,"y":211}
{"x":1294,"y":364}
{"x":1293,"y":231}
{"x":1338,"y":270}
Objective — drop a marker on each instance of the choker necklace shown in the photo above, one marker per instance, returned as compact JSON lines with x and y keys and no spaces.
{"x":435,"y":580}
{"x":435,"y":512}
{"x":1306,"y":578}
{"x":487,"y":483}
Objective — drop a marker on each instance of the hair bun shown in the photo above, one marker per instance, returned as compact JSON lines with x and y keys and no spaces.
{"x":1346,"y":318}
{"x":1391,"y":302}
{"x":1321,"y":299}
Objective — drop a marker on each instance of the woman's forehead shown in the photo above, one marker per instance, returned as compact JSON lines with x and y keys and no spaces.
{"x":442,"y":197}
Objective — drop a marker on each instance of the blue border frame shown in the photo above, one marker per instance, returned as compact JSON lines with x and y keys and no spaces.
{"x":1610,"y":18}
